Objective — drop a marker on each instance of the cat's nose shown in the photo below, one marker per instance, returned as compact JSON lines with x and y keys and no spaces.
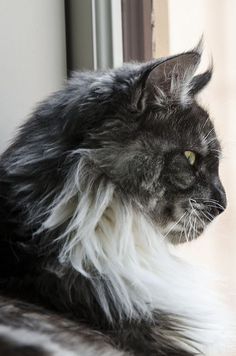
{"x":219,"y":201}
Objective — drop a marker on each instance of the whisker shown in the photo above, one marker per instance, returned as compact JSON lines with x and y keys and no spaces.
{"x":173,"y":226}
{"x":207,"y":120}
{"x":208,"y":134}
{"x":189,"y":227}
{"x":185,"y":228}
{"x":214,"y":204}
{"x":182,"y":230}
{"x":198,"y":217}
{"x":191,"y":230}
{"x":195,"y":227}
{"x":207,"y":217}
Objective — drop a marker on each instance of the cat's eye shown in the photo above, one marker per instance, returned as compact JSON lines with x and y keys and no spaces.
{"x":191,"y":157}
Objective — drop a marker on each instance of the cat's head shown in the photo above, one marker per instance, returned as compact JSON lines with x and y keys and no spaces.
{"x":157,"y":145}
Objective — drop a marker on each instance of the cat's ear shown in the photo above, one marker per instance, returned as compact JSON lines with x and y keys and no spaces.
{"x":170,"y":80}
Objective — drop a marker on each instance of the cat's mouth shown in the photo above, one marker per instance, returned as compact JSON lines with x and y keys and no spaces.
{"x":186,"y":231}
{"x":192,"y":221}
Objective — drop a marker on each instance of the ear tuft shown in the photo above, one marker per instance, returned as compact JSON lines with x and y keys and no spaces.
{"x":200,"y":81}
{"x":199,"y":47}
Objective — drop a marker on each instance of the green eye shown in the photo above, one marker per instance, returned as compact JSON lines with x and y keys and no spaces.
{"x":191,"y":157}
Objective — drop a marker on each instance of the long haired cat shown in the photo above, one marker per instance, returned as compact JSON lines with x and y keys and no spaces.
{"x":104,"y":175}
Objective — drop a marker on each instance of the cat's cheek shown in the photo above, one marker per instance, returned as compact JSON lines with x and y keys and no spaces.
{"x":183,"y":180}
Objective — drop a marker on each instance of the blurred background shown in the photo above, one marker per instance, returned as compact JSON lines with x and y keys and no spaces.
{"x":41,"y":42}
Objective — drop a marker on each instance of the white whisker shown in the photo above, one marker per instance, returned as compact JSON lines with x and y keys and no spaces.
{"x":174,"y":225}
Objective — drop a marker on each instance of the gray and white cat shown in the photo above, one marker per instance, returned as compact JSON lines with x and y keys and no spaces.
{"x":105,"y":174}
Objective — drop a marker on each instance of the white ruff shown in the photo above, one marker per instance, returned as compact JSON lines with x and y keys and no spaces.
{"x":129,"y":253}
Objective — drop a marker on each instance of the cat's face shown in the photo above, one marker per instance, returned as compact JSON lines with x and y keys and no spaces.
{"x":173,"y":173}
{"x":164,"y":158}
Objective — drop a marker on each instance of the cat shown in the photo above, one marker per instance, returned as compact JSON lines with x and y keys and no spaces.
{"x":99,"y":181}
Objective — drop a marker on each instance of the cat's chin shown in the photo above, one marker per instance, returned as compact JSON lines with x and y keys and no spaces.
{"x":177,"y":238}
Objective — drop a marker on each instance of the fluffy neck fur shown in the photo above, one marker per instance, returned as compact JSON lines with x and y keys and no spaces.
{"x":106,"y":236}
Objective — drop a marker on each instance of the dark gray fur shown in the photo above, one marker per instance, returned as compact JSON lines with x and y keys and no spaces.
{"x":138,"y":131}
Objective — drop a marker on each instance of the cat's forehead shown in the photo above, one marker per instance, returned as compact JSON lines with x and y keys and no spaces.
{"x":189,"y":128}
{"x":197,"y":129}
